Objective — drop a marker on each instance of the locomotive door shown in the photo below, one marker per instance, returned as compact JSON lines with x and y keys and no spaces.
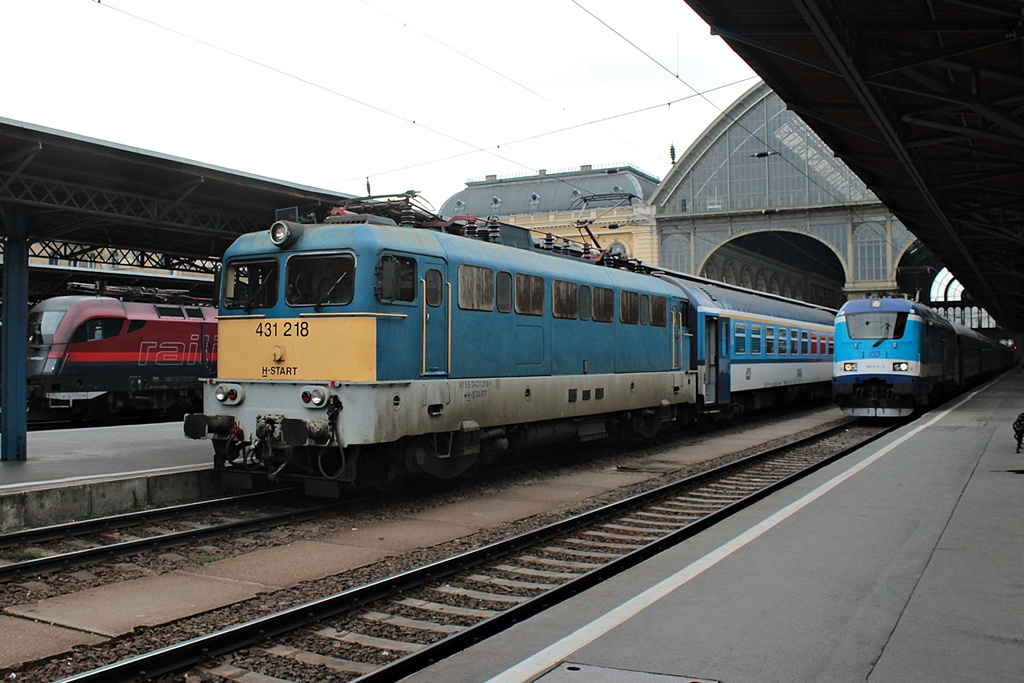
{"x":436,"y":318}
{"x":710,"y":360}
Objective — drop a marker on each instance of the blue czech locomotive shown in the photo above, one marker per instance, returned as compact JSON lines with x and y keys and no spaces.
{"x":894,"y":356}
{"x":385,"y":341}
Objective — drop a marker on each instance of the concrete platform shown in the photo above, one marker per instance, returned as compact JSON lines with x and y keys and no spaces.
{"x":903,"y":562}
{"x":117,"y":609}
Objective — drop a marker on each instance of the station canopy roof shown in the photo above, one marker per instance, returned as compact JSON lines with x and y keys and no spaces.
{"x":99,"y":195}
{"x":924,"y":101}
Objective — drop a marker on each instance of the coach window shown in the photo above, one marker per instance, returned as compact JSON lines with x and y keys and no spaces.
{"x":564,"y":299}
{"x":629,"y":307}
{"x":769,"y":341}
{"x":782,"y":341}
{"x":250,"y":284}
{"x":739,"y":344}
{"x":584,"y":300}
{"x":815,"y":349}
{"x":645,"y":309}
{"x":529,"y":294}
{"x":396,"y":279}
{"x":476,"y":288}
{"x":831,"y":344}
{"x":504,"y":291}
{"x":659,"y":311}
{"x":320,"y":280}
{"x":804,"y":348}
{"x":96,"y":329}
{"x":794,"y":342}
{"x":435,"y":287}
{"x":604,"y":305}
{"x":755,"y":340}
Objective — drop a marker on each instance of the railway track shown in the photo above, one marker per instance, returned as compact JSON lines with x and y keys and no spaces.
{"x":61,"y":546}
{"x":389,"y":628}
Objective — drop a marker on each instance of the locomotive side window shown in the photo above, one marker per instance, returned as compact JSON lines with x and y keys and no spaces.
{"x":476,"y":288}
{"x":659,"y":311}
{"x":250,"y":284}
{"x":740,"y":344}
{"x":604,"y":305}
{"x":435,"y":287}
{"x":645,"y":309}
{"x":396,"y":279}
{"x":504,"y":286}
{"x":782,"y":341}
{"x":529,"y":294}
{"x":96,"y":329}
{"x":564,"y":299}
{"x":755,"y":340}
{"x":629,"y":307}
{"x":584,"y":298}
{"x":769,"y":341}
{"x":320,"y":280}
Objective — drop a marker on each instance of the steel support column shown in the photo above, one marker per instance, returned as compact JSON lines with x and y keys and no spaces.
{"x":13,"y":392}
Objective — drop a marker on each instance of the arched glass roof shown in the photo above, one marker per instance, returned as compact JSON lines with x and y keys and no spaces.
{"x":758,"y":155}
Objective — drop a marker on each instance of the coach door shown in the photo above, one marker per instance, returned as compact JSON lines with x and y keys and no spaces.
{"x":722,"y":395}
{"x":436,"y":318}
{"x":711,"y":360}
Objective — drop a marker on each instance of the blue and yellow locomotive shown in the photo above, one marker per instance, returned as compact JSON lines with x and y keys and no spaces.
{"x":894,"y":356}
{"x":375,"y":345}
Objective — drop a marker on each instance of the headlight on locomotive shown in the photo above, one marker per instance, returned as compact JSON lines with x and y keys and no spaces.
{"x":229,"y":394}
{"x":849,"y":367}
{"x":314,"y":397}
{"x":900,"y":366}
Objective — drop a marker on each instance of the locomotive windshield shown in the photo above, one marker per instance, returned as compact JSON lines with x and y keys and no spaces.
{"x":876,"y":325}
{"x":250,"y":284}
{"x":321,"y":280}
{"x":42,"y":325}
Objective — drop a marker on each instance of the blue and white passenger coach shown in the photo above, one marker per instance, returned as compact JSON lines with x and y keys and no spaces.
{"x":357,"y":350}
{"x":894,"y":356}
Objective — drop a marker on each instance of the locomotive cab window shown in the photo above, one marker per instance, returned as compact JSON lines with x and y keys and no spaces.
{"x":250,"y":284}
{"x":435,"y":287}
{"x":396,"y":279}
{"x":42,"y":325}
{"x":96,"y":329}
{"x":323,"y":280}
{"x":876,"y":325}
{"x":659,"y":311}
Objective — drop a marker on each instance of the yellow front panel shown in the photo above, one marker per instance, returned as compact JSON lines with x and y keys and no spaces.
{"x":298,"y":349}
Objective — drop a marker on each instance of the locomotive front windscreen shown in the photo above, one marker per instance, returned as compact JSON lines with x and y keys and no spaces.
{"x":320,"y":280}
{"x":250,"y":284}
{"x":876,"y":325}
{"x":42,"y":325}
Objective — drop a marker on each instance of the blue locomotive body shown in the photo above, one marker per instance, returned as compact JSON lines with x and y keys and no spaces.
{"x":895,"y":356}
{"x":357,"y":351}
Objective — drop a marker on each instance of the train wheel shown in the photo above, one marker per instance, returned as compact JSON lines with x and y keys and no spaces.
{"x":420,"y":455}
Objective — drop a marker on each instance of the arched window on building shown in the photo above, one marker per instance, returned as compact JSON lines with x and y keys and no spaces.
{"x":869,"y":252}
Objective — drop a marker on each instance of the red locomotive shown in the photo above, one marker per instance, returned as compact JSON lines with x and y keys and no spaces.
{"x":97,"y":357}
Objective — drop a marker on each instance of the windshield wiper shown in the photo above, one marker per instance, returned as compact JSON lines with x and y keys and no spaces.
{"x":255,"y":293}
{"x":885,"y":329}
{"x":326,"y":295}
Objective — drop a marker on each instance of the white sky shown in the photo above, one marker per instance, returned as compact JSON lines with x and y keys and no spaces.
{"x":414,"y":94}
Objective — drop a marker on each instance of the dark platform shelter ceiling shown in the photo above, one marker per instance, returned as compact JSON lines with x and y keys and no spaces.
{"x":924,"y":101}
{"x":97,"y":194}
